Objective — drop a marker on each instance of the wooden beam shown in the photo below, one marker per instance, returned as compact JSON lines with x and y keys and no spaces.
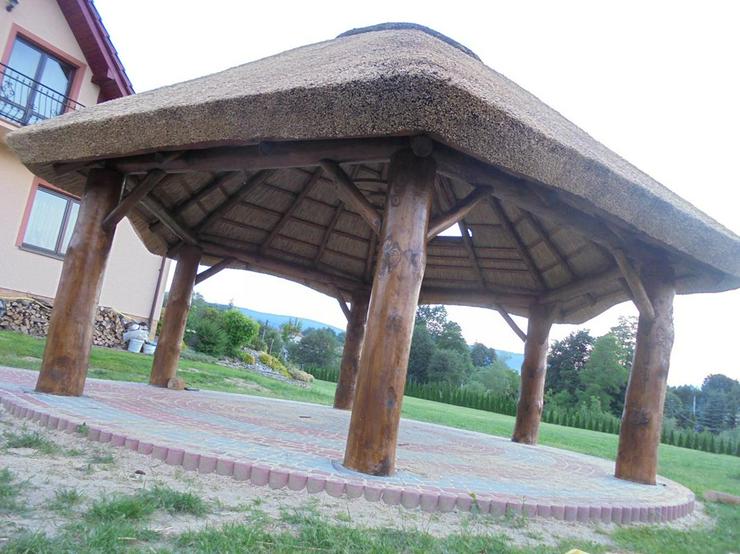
{"x":373,"y":428}
{"x":283,"y":221}
{"x":144,"y":187}
{"x":211,"y":271}
{"x":345,"y":309}
{"x":473,"y":297}
{"x":369,"y":260}
{"x":233,"y":199}
{"x":354,"y":338}
{"x":266,"y":155}
{"x":167,"y":354}
{"x":507,"y":318}
{"x":457,"y":212}
{"x":69,"y":340}
{"x":534,"y":369}
{"x":219,"y":182}
{"x":639,"y":296}
{"x":639,"y":435}
{"x":286,"y":270}
{"x":172,"y":222}
{"x":518,"y":242}
{"x":581,"y":287}
{"x":353,"y":196}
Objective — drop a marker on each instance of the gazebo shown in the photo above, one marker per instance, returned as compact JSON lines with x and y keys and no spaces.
{"x":338,"y":165}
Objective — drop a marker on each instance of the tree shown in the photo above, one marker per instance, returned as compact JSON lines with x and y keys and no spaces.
{"x":433,"y":317}
{"x":566,"y":360}
{"x":603,"y":376}
{"x":239,"y":329}
{"x":451,"y":338}
{"x":497,"y":378}
{"x":625,"y":332}
{"x":290,"y":330}
{"x":481,"y":355}
{"x":422,"y":351}
{"x":448,"y":366}
{"x":316,"y":349}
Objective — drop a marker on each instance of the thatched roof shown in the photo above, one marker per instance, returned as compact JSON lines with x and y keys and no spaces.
{"x":560,"y":198}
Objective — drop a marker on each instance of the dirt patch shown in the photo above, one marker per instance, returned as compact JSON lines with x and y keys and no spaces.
{"x":102,"y":471}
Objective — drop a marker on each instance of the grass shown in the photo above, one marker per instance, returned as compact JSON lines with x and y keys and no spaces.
{"x":9,"y":491}
{"x":34,"y":440}
{"x":64,"y":500}
{"x":115,"y":525}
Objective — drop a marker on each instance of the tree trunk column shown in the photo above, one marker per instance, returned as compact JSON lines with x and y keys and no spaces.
{"x":167,"y":354}
{"x":68,"y":344}
{"x":637,"y":458}
{"x":354,"y":338}
{"x":373,"y":430}
{"x":534,"y":369}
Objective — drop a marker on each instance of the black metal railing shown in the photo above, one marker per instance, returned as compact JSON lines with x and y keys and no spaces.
{"x":24,"y":100}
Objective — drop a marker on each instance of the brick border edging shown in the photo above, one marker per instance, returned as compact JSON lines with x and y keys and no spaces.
{"x":296,"y":480}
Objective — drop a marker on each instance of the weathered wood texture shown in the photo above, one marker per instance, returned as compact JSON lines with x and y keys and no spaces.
{"x":639,"y":294}
{"x":132,"y":198}
{"x":352,"y":196}
{"x":373,"y":431}
{"x":534,"y":369}
{"x":167,"y":354}
{"x":637,"y":458}
{"x":354,"y":339}
{"x":67,"y":352}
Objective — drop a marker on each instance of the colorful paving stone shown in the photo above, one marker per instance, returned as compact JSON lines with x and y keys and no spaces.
{"x":294,"y":445}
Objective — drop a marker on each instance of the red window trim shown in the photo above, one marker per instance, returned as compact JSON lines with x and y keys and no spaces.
{"x":79,"y":67}
{"x":29,"y":206}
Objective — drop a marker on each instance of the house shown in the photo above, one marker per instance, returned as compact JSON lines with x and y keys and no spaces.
{"x":56,"y":56}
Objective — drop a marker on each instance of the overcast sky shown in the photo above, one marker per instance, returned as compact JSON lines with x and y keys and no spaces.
{"x":657,"y":82}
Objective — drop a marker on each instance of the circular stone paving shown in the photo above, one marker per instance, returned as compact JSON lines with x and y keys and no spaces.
{"x":280,"y":443}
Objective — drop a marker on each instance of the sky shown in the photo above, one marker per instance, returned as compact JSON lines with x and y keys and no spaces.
{"x":657,"y":82}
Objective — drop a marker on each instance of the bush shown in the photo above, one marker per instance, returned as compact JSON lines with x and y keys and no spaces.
{"x":273,"y":363}
{"x":239,"y":329}
{"x":210,"y":338}
{"x":247,"y":358}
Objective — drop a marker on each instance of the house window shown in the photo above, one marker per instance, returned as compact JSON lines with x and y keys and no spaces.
{"x":35,"y":84}
{"x":51,"y":222}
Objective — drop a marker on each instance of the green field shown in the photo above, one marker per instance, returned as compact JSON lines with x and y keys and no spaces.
{"x":697,"y":470}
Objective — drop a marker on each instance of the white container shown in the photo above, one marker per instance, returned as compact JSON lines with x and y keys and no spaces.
{"x":149,"y":348}
{"x":134,"y":345}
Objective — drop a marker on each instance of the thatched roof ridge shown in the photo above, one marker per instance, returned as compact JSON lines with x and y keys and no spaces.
{"x":396,"y":82}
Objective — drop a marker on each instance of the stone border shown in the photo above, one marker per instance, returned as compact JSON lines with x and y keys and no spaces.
{"x":408,"y":497}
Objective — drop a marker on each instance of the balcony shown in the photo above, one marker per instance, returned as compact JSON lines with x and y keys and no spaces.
{"x":24,"y":101}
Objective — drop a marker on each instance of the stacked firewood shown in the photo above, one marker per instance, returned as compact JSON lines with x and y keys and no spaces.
{"x":31,"y":316}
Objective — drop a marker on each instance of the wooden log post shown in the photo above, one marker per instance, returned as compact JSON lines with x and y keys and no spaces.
{"x":534,"y":369}
{"x":69,"y":340}
{"x":353,"y":341}
{"x":637,"y":457}
{"x":373,"y":430}
{"x":167,"y":354}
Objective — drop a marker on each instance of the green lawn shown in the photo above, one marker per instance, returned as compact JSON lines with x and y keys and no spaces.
{"x":697,"y":470}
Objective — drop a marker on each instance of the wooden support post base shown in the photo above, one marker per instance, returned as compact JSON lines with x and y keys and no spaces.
{"x":534,"y":369}
{"x":354,"y":338}
{"x":167,"y":354}
{"x":373,"y":430}
{"x":642,"y":418}
{"x":68,"y":344}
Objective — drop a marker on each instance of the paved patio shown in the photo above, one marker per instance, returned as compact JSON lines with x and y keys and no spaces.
{"x":280,"y":443}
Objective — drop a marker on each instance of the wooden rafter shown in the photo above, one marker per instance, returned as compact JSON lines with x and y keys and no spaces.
{"x":266,"y":155}
{"x":581,"y":287}
{"x":511,"y":323}
{"x":142,"y":189}
{"x":328,"y":231}
{"x":211,"y":271}
{"x":639,"y":295}
{"x":517,"y":239}
{"x":170,"y":221}
{"x":457,"y":212}
{"x":283,"y":221}
{"x":370,"y":258}
{"x":233,"y":199}
{"x":220,"y":182}
{"x":353,"y":196}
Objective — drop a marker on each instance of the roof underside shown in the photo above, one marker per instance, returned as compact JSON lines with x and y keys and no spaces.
{"x":559,"y":200}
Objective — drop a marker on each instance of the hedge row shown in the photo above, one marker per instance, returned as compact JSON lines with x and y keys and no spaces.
{"x":605,"y":423}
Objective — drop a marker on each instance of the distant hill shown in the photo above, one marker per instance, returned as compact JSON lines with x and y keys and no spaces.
{"x":513,"y":359}
{"x":276,"y":320}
